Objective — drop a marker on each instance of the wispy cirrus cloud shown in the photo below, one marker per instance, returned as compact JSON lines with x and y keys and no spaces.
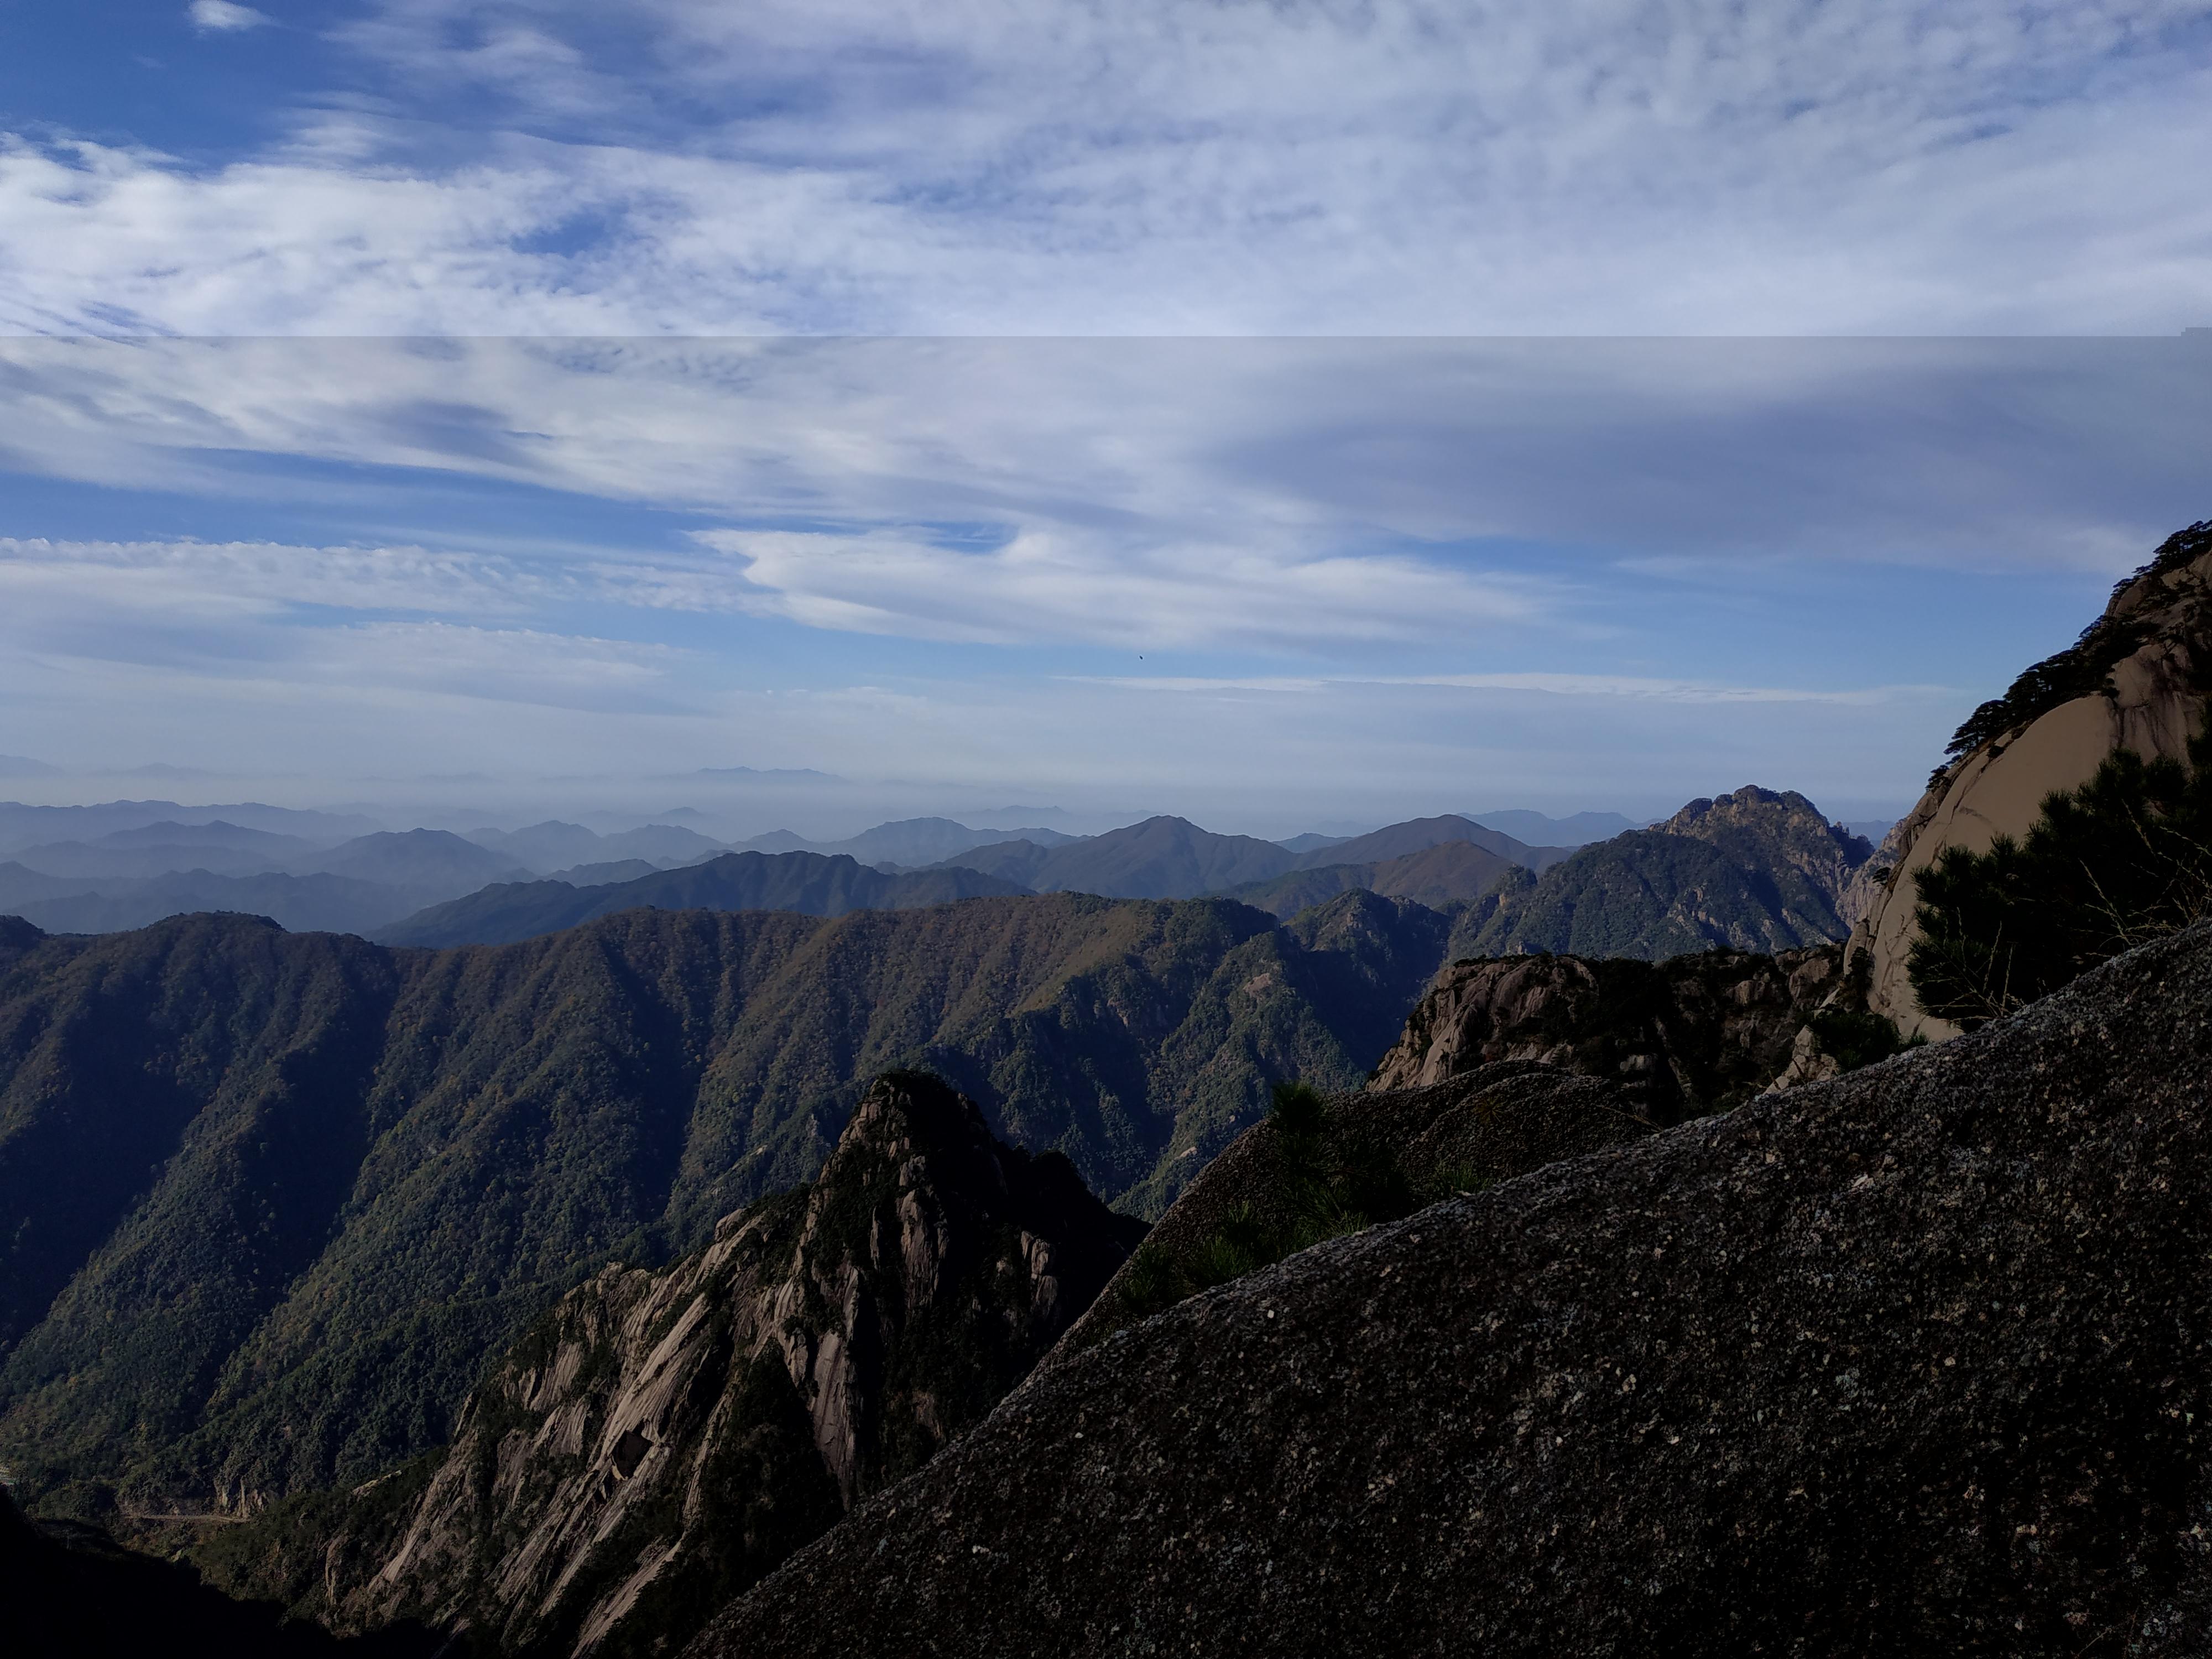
{"x":1006,"y":167}
{"x":1053,"y":585}
{"x":1673,"y":457}
{"x":1635,"y":688}
{"x":225,"y":16}
{"x":220,"y":579}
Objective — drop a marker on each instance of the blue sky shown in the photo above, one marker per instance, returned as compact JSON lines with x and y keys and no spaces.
{"x":1281,"y":414}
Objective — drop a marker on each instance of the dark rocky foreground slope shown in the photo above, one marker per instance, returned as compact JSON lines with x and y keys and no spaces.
{"x":661,"y":1439}
{"x":1911,"y":1361}
{"x":1317,"y":1169}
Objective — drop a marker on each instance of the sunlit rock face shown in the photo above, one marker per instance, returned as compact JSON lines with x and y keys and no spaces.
{"x":2137,"y":679}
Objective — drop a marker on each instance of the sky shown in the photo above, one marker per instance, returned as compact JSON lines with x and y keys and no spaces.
{"x":1293,"y":416}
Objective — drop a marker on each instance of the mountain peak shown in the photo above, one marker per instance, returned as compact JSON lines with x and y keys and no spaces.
{"x":662,"y":1439}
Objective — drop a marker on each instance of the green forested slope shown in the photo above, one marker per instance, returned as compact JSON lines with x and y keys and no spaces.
{"x":1750,"y":871}
{"x":267,"y":1200}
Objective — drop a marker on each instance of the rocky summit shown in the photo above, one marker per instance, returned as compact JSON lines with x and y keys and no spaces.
{"x":661,"y":1439}
{"x":1910,"y":1361}
{"x":1680,"y":1036}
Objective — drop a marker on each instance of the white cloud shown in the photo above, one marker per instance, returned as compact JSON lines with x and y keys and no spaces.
{"x":1637,"y":688}
{"x":1035,"y":166}
{"x":211,"y":580}
{"x":1057,"y":584}
{"x":224,"y":15}
{"x":512,"y":665}
{"x":1250,"y":458}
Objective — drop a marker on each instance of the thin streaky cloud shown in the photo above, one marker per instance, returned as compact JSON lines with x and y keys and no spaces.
{"x":1028,"y":167}
{"x":1559,"y":685}
{"x":226,"y":16}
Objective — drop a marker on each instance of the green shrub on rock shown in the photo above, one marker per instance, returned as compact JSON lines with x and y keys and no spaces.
{"x":2125,"y":858}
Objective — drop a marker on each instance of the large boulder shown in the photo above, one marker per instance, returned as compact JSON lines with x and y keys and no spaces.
{"x":2136,"y":679}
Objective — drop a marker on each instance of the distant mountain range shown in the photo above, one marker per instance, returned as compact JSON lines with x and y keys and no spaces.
{"x":24,"y":826}
{"x":543,"y":847}
{"x":1160,"y":857}
{"x":1578,"y":830}
{"x":806,"y":882}
{"x":1447,"y":873}
{"x":907,"y":843}
{"x":436,"y":888}
{"x":1751,"y":871}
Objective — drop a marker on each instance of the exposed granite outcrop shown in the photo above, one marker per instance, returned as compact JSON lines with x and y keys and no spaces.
{"x":1688,"y":1035}
{"x":1912,"y":1361}
{"x":662,"y":1438}
{"x":2136,"y":679}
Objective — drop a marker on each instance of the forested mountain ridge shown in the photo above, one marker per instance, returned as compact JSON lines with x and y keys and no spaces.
{"x":1396,"y":841}
{"x":659,"y":1439}
{"x":1447,"y":873}
{"x":1162,"y":857}
{"x":809,"y":884}
{"x":268,"y":1199}
{"x":1753,"y":869}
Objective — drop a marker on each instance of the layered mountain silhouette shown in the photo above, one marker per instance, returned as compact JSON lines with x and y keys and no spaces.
{"x":910,"y":842}
{"x":807,"y":884}
{"x":1160,"y":857}
{"x":272,"y":1198}
{"x":316,"y":903}
{"x":1452,"y":873}
{"x":1396,"y":841}
{"x":1576,"y":830}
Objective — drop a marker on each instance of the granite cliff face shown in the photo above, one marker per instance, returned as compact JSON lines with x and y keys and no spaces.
{"x":1689,"y":1034}
{"x":1911,"y":1361}
{"x":661,"y":1439}
{"x":2137,"y":678}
